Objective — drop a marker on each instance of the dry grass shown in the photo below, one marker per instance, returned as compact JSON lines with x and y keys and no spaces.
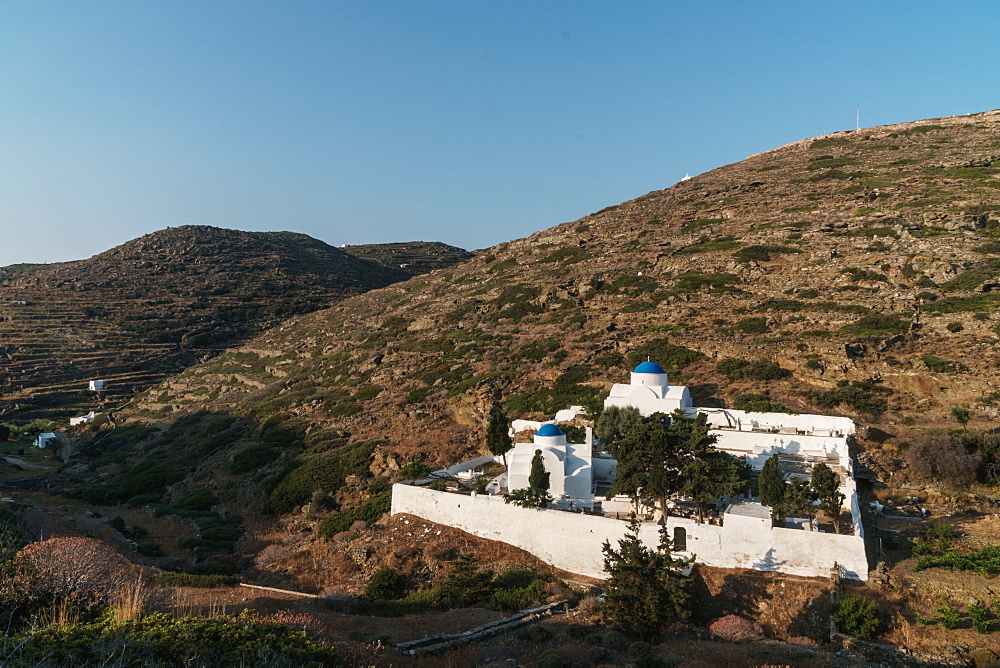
{"x":197,"y":603}
{"x":61,"y":612}
{"x":131,"y":601}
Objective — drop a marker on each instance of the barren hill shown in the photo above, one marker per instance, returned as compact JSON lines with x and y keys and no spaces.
{"x":854,"y":273}
{"x":157,"y":304}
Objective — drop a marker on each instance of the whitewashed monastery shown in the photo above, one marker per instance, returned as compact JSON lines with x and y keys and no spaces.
{"x":740,"y":536}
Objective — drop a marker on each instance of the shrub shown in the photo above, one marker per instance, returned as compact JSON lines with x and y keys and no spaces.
{"x":537,"y":350}
{"x":369,"y":511}
{"x":735,"y":368}
{"x":781,"y":304}
{"x":253,"y":458}
{"x":150,"y":549}
{"x":756,"y":325}
{"x":878,"y":324}
{"x":322,"y":471}
{"x":977,"y":302}
{"x":762,"y":253}
{"x":671,"y":357}
{"x":215,"y":567}
{"x":938,"y":365}
{"x":82,"y":570}
{"x":954,"y":327}
{"x":385,"y":584}
{"x":943,"y":457}
{"x":533,"y":633}
{"x":160,"y":639}
{"x":197,"y":499}
{"x":972,"y":278}
{"x":701,"y":223}
{"x":856,"y":615}
{"x":754,"y":402}
{"x":692,"y":282}
{"x":950,"y":617}
{"x":861,"y":395}
{"x":414,"y":471}
{"x":418,"y":395}
{"x":733,"y":628}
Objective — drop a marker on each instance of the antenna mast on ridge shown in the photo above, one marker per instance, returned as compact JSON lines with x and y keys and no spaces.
{"x":857,"y":119}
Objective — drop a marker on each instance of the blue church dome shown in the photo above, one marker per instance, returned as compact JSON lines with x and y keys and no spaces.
{"x":549,"y":430}
{"x":649,"y":367}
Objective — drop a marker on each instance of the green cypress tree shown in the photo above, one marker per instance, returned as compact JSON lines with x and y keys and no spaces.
{"x":826,"y":486}
{"x":645,"y":588}
{"x":799,"y":497}
{"x":538,"y":478}
{"x":771,"y":487}
{"x":497,"y":434}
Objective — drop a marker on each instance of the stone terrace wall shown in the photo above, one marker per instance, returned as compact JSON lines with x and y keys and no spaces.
{"x":572,"y":541}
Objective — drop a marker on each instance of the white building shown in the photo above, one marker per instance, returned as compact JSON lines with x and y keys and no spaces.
{"x":96,"y":385}
{"x":569,"y":465}
{"x":650,"y":392}
{"x":43,"y":440}
{"x":745,"y":537}
{"x":83,"y":419}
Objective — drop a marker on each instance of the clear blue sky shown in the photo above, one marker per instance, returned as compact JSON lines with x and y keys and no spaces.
{"x":466,"y":122}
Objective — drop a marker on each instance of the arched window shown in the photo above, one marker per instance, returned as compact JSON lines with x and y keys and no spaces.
{"x":680,"y":539}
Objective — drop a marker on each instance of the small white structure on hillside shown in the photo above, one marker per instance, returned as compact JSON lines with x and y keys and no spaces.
{"x":569,"y":465}
{"x":96,"y":385}
{"x":83,"y":419}
{"x":650,"y":391}
{"x":43,"y":440}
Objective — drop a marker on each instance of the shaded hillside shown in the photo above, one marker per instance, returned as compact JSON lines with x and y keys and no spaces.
{"x":413,"y":257}
{"x":157,"y":304}
{"x":853,"y":274}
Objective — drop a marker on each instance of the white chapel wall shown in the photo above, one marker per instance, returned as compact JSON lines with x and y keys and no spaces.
{"x":572,"y":541}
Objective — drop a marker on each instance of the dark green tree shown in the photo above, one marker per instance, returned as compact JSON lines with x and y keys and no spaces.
{"x":414,"y":471}
{"x":385,"y":584}
{"x":4,"y":432}
{"x":856,"y":615}
{"x":961,"y":415}
{"x":615,"y":422}
{"x":826,"y":486}
{"x":711,"y":476}
{"x":771,"y":487}
{"x":526,"y":497}
{"x":536,"y":494}
{"x":498,"y":434}
{"x":645,"y":587}
{"x":799,"y":498}
{"x":466,"y":584}
{"x":538,"y":478}
{"x":654,"y":455}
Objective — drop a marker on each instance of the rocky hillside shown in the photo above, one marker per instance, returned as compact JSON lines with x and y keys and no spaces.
{"x":159,"y":303}
{"x":412,"y":257}
{"x":855,"y":273}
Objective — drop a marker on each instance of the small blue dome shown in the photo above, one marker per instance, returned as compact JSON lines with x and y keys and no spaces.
{"x":549,"y":430}
{"x":649,"y":367}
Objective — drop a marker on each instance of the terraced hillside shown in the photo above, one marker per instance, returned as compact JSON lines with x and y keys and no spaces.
{"x":852,"y":274}
{"x":152,"y":306}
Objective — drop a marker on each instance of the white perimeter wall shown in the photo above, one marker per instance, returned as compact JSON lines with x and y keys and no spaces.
{"x":572,"y":541}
